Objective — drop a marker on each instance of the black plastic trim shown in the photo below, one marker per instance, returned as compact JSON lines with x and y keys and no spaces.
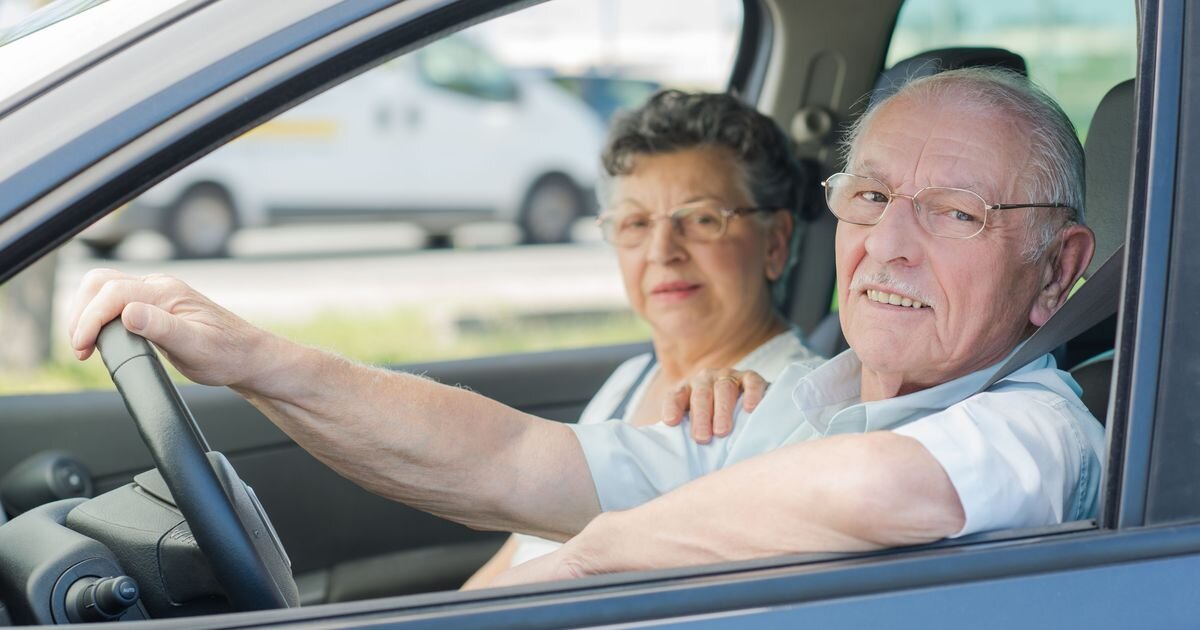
{"x":749,"y":70}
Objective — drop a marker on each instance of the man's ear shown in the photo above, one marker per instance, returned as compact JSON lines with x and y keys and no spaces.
{"x":1061,"y":269}
{"x":779,"y":239}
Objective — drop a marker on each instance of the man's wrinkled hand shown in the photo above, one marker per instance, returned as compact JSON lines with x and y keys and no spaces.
{"x":711,"y":399}
{"x":207,"y":343}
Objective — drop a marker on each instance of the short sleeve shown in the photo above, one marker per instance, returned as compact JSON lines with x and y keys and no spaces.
{"x":1017,"y":458}
{"x":632,"y":465}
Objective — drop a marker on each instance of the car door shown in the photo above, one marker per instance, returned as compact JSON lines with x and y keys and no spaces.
{"x":545,"y":357}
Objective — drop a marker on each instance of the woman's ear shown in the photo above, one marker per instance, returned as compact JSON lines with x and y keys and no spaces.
{"x":1060,"y":272}
{"x":779,"y":239}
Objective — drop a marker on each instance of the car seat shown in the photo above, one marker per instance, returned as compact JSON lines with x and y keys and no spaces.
{"x":1108,"y":155}
{"x":826,"y":337}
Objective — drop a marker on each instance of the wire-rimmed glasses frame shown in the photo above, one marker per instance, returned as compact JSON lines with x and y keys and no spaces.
{"x":697,"y":224}
{"x":944,"y":212}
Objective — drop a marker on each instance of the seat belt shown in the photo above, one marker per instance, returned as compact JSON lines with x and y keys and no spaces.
{"x":622,"y":407}
{"x":1092,"y":303}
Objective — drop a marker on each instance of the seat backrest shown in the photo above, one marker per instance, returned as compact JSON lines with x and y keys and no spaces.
{"x":1108,"y":163}
{"x":1095,"y":378}
{"x":826,"y":337}
{"x":1108,"y":170}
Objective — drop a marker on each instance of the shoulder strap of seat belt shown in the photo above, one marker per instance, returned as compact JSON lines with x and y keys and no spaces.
{"x":623,"y":406}
{"x":1094,"y":301}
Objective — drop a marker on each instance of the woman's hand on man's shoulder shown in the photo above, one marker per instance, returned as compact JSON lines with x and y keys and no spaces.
{"x":711,"y":398}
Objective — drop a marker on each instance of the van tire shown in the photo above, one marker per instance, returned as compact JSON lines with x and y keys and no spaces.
{"x":201,"y":223}
{"x":550,"y":209}
{"x":106,"y":250}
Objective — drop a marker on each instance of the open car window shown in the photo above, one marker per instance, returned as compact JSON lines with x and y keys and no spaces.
{"x":1075,"y":52}
{"x":439,"y":206}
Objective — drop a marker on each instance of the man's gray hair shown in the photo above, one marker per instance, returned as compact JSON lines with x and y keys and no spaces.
{"x":674,"y":121}
{"x":1055,"y":171}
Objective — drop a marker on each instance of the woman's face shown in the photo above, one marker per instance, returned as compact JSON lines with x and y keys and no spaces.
{"x":697,"y":291}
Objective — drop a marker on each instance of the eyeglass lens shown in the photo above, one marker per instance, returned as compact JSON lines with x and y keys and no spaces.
{"x":699,"y":223}
{"x":948,"y":212}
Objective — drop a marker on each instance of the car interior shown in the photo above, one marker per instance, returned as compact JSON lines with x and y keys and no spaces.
{"x":346,"y":544}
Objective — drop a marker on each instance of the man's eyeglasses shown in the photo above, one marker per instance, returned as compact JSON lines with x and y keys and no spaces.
{"x":697,"y":224}
{"x":945,"y":212}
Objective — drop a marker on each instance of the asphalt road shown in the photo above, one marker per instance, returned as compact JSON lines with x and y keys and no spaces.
{"x":285,"y":273}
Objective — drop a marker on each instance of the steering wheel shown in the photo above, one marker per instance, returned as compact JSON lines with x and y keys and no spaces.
{"x":246,"y":558}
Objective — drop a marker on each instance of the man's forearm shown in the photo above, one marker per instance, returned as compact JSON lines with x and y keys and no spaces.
{"x":440,"y":449}
{"x":849,"y":493}
{"x":437,"y":448}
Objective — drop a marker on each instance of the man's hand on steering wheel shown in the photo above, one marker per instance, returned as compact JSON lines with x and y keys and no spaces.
{"x":207,"y":343}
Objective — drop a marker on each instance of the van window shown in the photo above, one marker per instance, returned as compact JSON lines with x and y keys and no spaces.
{"x":1075,"y":50}
{"x":459,"y":66}
{"x":438,"y":206}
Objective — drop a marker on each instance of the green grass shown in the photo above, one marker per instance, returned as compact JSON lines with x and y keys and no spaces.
{"x":406,"y":336}
{"x":410,"y":336}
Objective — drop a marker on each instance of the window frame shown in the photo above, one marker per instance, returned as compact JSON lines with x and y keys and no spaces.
{"x":1139,"y":344}
{"x":1172,"y":481}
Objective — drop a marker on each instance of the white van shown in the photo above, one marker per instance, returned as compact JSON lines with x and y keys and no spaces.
{"x":442,"y":137}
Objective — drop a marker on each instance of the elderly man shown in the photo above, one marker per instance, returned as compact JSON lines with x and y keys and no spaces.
{"x":959,"y":233}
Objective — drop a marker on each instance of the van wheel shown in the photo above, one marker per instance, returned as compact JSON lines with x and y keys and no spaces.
{"x":201,"y":224}
{"x":439,"y":240}
{"x":550,"y":210}
{"x":102,"y":250}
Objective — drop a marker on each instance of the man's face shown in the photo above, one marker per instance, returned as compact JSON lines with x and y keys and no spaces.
{"x":977,"y":293}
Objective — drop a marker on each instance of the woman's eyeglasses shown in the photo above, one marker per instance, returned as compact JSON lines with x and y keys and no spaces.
{"x":697,"y":224}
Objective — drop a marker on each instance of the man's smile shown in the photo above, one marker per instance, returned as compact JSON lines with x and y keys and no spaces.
{"x":894,"y":299}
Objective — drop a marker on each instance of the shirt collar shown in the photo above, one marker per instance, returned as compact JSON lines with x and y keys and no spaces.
{"x":829,"y":396}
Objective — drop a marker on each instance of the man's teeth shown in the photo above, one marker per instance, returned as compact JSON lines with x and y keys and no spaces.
{"x":892,"y":298}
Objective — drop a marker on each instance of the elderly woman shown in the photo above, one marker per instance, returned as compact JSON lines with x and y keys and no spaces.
{"x":699,"y":203}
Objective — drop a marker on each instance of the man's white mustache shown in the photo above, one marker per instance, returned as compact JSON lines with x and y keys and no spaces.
{"x":884,"y":281}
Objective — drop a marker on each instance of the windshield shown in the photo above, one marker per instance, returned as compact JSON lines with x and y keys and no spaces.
{"x":56,"y":35}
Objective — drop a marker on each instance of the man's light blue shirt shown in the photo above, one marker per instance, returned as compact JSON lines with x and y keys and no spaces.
{"x":1024,"y":453}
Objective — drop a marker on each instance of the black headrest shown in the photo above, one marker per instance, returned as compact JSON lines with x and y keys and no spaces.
{"x":1108,"y":165}
{"x":934,"y":61}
